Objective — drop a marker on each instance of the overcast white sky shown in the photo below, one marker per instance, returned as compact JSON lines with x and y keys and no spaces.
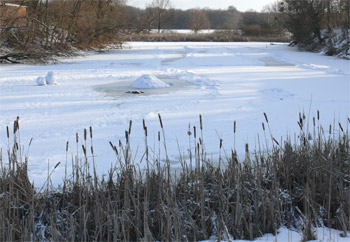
{"x":241,"y":5}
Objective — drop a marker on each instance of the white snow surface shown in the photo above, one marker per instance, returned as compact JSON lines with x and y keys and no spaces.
{"x":147,"y":81}
{"x":285,"y":235}
{"x":229,"y":81}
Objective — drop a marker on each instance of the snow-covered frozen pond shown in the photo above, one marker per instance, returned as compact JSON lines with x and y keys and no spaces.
{"x":222,"y":81}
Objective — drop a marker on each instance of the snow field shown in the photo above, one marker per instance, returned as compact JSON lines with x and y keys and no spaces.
{"x":232,"y":81}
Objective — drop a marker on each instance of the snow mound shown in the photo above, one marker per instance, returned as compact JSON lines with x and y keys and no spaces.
{"x":50,"y":78}
{"x":192,"y":77}
{"x":41,"y":81}
{"x":148,"y":81}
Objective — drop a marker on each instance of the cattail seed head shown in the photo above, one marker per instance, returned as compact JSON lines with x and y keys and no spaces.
{"x":67,"y":145}
{"x":263,"y":126}
{"x":318,"y":114}
{"x":7,"y":131}
{"x":146,"y":133}
{"x":158,"y":135}
{"x":160,"y":120}
{"x":220,"y":143}
{"x":77,"y":137}
{"x":84,"y":149}
{"x":341,"y":127}
{"x":314,"y":121}
{"x":113,"y":147}
{"x":57,"y":165}
{"x":275,"y":141}
{"x":120,"y":143}
{"x":234,"y":126}
{"x":194,"y":131}
{"x":265,"y":115}
{"x":130,"y":126}
{"x":90,"y":132}
{"x":247,"y":148}
{"x":85,"y":134}
{"x":144,"y":123}
{"x":330,"y":129}
{"x":92,"y":150}
{"x":200,"y":122}
{"x":30,"y":142}
{"x":127,"y":136}
{"x":15,"y":124}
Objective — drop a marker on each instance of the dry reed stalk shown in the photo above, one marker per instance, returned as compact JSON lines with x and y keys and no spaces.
{"x":237,"y":200}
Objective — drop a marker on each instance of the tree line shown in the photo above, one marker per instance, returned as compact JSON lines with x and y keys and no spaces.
{"x":63,"y":24}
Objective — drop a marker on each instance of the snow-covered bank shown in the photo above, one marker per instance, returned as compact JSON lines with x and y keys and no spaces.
{"x":232,"y":82}
{"x":286,"y":235}
{"x":332,"y":43}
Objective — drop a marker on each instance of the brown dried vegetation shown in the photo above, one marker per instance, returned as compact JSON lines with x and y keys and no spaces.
{"x":299,"y":184}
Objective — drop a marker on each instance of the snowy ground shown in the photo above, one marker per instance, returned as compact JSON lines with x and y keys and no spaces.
{"x":226,"y":82}
{"x":285,"y":235}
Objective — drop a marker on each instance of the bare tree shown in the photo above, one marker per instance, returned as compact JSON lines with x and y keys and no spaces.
{"x":160,"y":7}
{"x":233,"y":18}
{"x":198,"y":20}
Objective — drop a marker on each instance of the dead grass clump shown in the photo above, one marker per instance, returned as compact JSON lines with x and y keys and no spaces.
{"x":300,"y":184}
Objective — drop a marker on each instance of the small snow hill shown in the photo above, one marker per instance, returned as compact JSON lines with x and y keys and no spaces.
{"x":148,"y":81}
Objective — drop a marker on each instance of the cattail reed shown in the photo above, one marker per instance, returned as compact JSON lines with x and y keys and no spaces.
{"x":84,"y":150}
{"x":57,"y":165}
{"x":275,"y":141}
{"x":85,"y":134}
{"x":189,"y":133}
{"x":127,"y":136}
{"x":265,"y":115}
{"x":130,"y":125}
{"x":283,"y":187}
{"x":113,"y":147}
{"x":160,"y":120}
